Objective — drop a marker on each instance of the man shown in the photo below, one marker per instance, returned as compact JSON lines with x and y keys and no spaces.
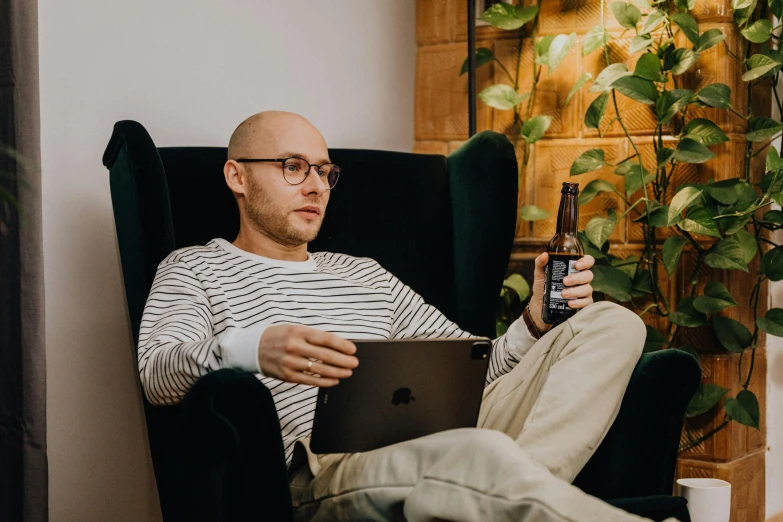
{"x":266,"y":305}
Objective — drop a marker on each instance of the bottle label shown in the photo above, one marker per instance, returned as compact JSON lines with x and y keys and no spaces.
{"x":558,"y":268}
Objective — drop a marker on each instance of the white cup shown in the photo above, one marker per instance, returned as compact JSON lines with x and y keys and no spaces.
{"x":709,"y":500}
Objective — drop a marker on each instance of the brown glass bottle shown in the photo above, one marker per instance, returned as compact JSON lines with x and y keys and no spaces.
{"x":564,"y":250}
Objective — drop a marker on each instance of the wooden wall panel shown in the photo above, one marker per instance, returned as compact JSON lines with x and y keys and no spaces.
{"x":736,"y":452}
{"x":441,"y":102}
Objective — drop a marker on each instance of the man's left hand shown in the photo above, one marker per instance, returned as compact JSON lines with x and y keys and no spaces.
{"x":579,"y":291}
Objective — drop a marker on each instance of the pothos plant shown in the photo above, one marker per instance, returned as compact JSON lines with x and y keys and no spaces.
{"x":548,"y":52}
{"x":724,"y":224}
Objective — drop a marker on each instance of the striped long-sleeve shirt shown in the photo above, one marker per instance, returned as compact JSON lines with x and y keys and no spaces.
{"x":209,"y":306}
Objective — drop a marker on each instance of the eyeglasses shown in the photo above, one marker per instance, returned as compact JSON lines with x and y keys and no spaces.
{"x":295,"y":170}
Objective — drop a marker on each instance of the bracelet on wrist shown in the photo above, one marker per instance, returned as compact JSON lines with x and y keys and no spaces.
{"x":531,"y":324}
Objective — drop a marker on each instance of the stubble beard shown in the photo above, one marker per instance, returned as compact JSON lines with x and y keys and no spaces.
{"x":270,"y":219}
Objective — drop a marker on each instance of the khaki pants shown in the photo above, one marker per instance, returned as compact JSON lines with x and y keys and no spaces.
{"x":538,"y":426}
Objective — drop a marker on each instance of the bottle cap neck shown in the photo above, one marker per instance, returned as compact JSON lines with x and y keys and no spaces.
{"x":568,"y":213}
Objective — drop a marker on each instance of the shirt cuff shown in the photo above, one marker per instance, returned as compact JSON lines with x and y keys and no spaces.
{"x":519,"y":340}
{"x":240,"y":348}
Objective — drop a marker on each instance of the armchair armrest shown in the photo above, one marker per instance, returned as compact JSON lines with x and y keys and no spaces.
{"x":639,"y":454}
{"x":226,"y":459}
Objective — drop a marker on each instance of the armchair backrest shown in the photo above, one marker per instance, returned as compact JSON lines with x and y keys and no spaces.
{"x":444,"y":226}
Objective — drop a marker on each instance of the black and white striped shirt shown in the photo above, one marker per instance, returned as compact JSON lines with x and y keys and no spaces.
{"x":209,"y":306}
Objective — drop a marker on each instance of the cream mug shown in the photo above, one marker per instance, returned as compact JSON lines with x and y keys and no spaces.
{"x":709,"y":500}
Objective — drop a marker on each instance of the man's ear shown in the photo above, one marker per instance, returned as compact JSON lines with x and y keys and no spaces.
{"x":235,"y":177}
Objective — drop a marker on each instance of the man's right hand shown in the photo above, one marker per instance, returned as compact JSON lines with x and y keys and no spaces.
{"x":285,"y":350}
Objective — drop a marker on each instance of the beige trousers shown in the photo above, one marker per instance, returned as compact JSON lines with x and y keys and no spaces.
{"x":538,"y":426}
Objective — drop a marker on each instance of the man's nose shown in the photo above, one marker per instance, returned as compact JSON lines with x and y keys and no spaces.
{"x":315,"y":183}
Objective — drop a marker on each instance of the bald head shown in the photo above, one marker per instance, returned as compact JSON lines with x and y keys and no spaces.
{"x":270,"y":133}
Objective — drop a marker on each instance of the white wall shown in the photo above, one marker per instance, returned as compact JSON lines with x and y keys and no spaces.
{"x":190,"y":72}
{"x":774,"y":461}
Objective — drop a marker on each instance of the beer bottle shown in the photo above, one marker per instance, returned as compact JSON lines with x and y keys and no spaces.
{"x":564,"y":250}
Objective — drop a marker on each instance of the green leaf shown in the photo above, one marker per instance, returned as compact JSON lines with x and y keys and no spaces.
{"x":629,"y":264}
{"x":715,"y":95}
{"x":726,"y":254}
{"x":707,"y":396}
{"x":637,"y":89}
{"x":594,"y":39}
{"x":640,"y":43}
{"x":748,"y":243}
{"x":671,"y":103}
{"x":672,"y":248}
{"x":688,"y":26}
{"x":735,"y":224}
{"x":681,"y":60}
{"x":594,"y":188}
{"x":483,"y":57}
{"x":741,"y":16}
{"x":533,"y":213}
{"x":759,"y":65}
{"x":740,"y":4}
{"x":705,"y":132}
{"x":724,"y":192}
{"x":518,"y":284}
{"x":642,"y":283}
{"x":772,"y":264}
{"x":685,"y":4}
{"x":773,"y":216}
{"x":625,"y":166}
{"x":681,"y":201}
{"x":649,"y":67}
{"x":627,"y":15}
{"x":691,"y":151}
{"x":599,"y":229}
{"x":655,"y":340}
{"x":588,"y":161}
{"x":758,"y":32}
{"x":590,"y":249}
{"x":534,"y":128}
{"x":558,"y":49}
{"x":663,"y":156}
{"x":596,"y":110}
{"x":699,"y":221}
{"x":772,"y":181}
{"x":761,"y":129}
{"x":774,"y":162}
{"x":636,"y":178}
{"x":612,"y":282}
{"x":578,"y":85}
{"x":686,"y":315}
{"x":653,"y":21}
{"x":709,"y":38}
{"x":502,"y":96}
{"x":542,"y":49}
{"x":607,"y":77}
{"x":744,"y":409}
{"x":507,"y":16}
{"x":772,"y":323}
{"x":716,"y":298}
{"x":733,"y":335}
{"x":642,"y":4}
{"x":776,"y":6}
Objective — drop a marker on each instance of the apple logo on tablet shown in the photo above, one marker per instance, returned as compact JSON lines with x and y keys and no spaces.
{"x":402,"y":396}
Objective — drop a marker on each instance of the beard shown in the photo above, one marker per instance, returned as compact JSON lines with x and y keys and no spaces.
{"x":270,"y":218}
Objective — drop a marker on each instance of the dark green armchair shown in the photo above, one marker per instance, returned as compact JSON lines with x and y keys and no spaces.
{"x":444,"y":226}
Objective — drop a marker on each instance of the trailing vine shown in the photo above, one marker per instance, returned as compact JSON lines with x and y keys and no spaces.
{"x":722,"y":224}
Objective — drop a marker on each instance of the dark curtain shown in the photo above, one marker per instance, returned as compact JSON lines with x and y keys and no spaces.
{"x":23,"y":465}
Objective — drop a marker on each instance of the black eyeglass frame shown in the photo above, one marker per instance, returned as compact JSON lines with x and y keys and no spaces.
{"x":282,"y":165}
